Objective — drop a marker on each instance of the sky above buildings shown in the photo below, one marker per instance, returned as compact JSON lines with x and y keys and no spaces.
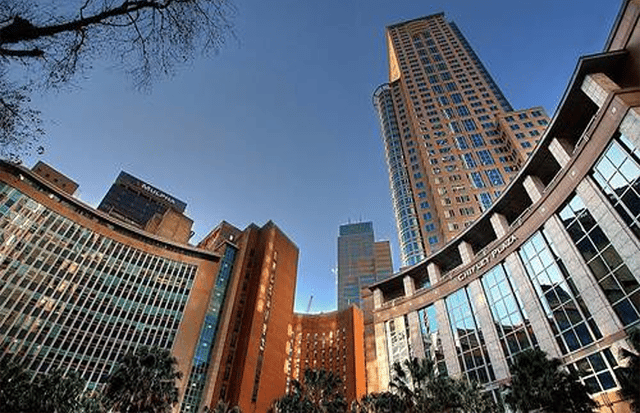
{"x":279,"y":124}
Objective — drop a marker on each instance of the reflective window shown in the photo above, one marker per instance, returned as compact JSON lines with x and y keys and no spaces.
{"x":614,"y":278}
{"x":470,"y":346}
{"x":509,"y":316}
{"x":71,"y":297}
{"x":618,"y":174}
{"x":431,"y":337}
{"x":597,"y":371}
{"x":570,"y":321}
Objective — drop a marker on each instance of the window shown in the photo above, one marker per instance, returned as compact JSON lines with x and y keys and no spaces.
{"x":543,"y":122}
{"x":522,"y":116}
{"x":485,"y":200}
{"x":469,"y":125}
{"x":433,"y":239}
{"x":513,"y":327}
{"x":619,"y":285}
{"x":470,"y":344}
{"x":462,"y":111}
{"x":456,"y":98}
{"x":495,"y":177}
{"x":476,"y":179}
{"x":468,"y":160}
{"x":566,"y":312}
{"x":461,"y":142}
{"x":618,"y":173}
{"x":485,"y":157}
{"x":515,"y":126}
{"x":525,"y":144}
{"x":430,"y":227}
{"x":476,"y":140}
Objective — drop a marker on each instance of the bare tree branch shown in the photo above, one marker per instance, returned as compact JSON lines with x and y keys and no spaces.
{"x":51,"y":44}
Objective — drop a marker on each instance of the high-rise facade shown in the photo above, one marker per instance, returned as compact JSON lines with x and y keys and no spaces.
{"x":79,"y":288}
{"x":552,"y":264}
{"x":451,"y":138}
{"x":362,"y":261}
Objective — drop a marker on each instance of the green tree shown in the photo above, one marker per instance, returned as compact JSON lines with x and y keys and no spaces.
{"x":15,"y":387}
{"x":143,"y":381}
{"x":630,"y":374}
{"x":538,"y":382}
{"x":319,"y":392}
{"x":55,"y":392}
{"x":386,"y":402}
{"x":47,"y":44}
{"x":222,"y":407}
{"x":421,"y":388}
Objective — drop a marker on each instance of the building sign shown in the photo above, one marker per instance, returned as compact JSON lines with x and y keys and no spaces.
{"x":132,"y":181}
{"x":491,"y":256}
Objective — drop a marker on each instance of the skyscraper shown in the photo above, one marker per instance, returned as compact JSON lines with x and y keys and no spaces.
{"x":452,"y":140}
{"x":361,"y":262}
{"x":139,"y":204}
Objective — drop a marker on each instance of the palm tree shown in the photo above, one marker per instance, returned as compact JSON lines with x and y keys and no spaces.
{"x":222,"y":407}
{"x":421,"y":388}
{"x":14,"y":387}
{"x":319,"y":392}
{"x":538,"y":382}
{"x":630,"y":375}
{"x":386,"y":402}
{"x":144,"y":381}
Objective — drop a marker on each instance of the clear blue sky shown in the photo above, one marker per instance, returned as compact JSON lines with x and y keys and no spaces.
{"x":279,"y":124}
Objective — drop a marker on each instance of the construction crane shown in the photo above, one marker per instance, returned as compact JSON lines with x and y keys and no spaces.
{"x":309,"y":305}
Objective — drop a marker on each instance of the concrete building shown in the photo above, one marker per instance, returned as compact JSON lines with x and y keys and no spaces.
{"x":136,"y":202}
{"x":452,"y":140}
{"x":553,"y":262}
{"x":332,"y":342}
{"x":79,"y":288}
{"x":362,"y":261}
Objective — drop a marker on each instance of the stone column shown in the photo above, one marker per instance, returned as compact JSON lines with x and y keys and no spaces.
{"x":532,"y":307}
{"x":534,"y":187}
{"x":487,"y":326}
{"x":382,"y":357}
{"x":466,"y":252}
{"x":446,"y":338}
{"x":591,"y":294}
{"x":630,"y":126}
{"x":598,"y":86}
{"x":377,"y":298}
{"x":434,"y":273}
{"x":499,"y":224}
{"x":417,"y":345}
{"x":627,"y":246}
{"x":409,"y":286}
{"x":561,"y":151}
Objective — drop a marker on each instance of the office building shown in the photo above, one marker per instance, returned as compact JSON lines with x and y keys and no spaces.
{"x":79,"y":288}
{"x":552,"y":263}
{"x":332,"y":342}
{"x":361,"y":262}
{"x":136,"y":202}
{"x":452,"y":140}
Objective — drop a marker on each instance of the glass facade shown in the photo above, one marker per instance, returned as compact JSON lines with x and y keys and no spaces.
{"x":618,"y":174}
{"x":201,"y":360}
{"x":469,"y":341}
{"x":509,"y":316}
{"x":570,"y":321}
{"x":619,"y":285}
{"x":597,"y":371}
{"x":431,"y":337}
{"x":73,"y":298}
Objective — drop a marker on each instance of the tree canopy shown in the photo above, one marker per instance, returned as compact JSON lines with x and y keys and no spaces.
{"x":320,"y":391}
{"x":630,"y":374}
{"x":539,"y":382}
{"x":46,"y":44}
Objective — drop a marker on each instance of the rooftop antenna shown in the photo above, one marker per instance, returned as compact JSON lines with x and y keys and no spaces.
{"x":309,"y":305}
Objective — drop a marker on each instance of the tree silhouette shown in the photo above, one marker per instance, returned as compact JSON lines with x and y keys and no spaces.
{"x":319,"y":392}
{"x":538,"y":382}
{"x":50,"y":43}
{"x":144,"y":381}
{"x":630,"y":374}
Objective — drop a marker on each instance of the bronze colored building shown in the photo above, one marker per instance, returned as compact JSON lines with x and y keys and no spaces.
{"x":329,"y":341}
{"x":452,"y":140}
{"x":362,"y":261}
{"x":79,"y":288}
{"x":553,"y":262}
